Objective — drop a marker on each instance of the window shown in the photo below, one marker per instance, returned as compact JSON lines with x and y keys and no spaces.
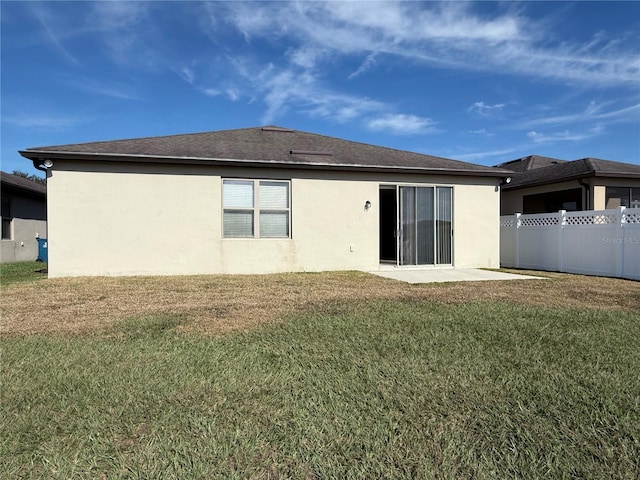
{"x":6,"y":218}
{"x":255,"y":209}
{"x":622,"y":197}
{"x":569,"y":200}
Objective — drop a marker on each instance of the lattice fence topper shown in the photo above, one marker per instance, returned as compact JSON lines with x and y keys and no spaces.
{"x":506,"y":222}
{"x":632,"y":217}
{"x":591,"y":218}
{"x":539,"y":221}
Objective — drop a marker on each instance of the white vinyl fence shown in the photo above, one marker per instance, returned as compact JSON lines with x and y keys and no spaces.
{"x":593,"y":242}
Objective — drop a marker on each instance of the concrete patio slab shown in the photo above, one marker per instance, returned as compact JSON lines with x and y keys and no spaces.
{"x":448,"y":275}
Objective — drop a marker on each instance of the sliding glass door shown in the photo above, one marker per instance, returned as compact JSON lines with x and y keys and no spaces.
{"x":425,"y":226}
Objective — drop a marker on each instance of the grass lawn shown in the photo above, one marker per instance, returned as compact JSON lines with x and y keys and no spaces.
{"x":340,"y":376}
{"x":11,"y":273}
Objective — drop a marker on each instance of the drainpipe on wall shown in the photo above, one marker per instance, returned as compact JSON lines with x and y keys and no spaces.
{"x":586,"y":187}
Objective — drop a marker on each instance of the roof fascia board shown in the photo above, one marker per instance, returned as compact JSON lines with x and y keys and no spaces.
{"x":571,"y":178}
{"x":617,"y":174}
{"x":547,"y":182}
{"x":27,"y":192}
{"x":126,"y":158}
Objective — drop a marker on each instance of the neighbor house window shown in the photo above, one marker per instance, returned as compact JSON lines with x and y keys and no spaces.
{"x":6,"y":218}
{"x":622,"y":197}
{"x":256,"y":209}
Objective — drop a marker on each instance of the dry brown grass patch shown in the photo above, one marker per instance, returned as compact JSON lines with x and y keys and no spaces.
{"x":216,"y":304}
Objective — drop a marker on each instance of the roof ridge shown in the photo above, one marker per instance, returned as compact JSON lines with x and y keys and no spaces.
{"x":528,"y":162}
{"x":589,"y":163}
{"x":553,"y":165}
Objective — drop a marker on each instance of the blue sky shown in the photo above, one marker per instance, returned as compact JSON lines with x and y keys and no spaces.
{"x":481,"y":82}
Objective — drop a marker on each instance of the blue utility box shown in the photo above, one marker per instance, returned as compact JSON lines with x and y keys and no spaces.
{"x":42,"y":249}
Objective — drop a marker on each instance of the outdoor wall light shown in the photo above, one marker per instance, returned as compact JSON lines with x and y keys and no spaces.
{"x":48,"y":163}
{"x":505,"y":181}
{"x":367,"y":205}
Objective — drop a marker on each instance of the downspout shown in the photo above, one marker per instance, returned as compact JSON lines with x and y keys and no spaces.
{"x":37,"y":164}
{"x":586,"y":187}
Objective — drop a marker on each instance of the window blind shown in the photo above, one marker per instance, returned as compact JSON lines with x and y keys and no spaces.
{"x":237,"y":194}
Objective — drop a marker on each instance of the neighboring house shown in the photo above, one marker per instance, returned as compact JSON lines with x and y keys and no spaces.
{"x":262,"y":200}
{"x":24,"y":218}
{"x":542,"y":185}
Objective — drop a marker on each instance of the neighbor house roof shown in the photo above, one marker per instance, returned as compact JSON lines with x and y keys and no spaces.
{"x":529,"y":163}
{"x":16,"y":182}
{"x":536,"y":170}
{"x":260,"y":146}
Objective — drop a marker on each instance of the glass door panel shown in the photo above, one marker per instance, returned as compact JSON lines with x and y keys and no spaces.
{"x":425,"y":225}
{"x":424,"y":217}
{"x":408,"y":226}
{"x":443,"y":225}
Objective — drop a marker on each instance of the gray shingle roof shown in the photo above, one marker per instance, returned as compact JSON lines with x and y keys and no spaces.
{"x":9,"y":180}
{"x":563,"y":170}
{"x":529,"y":163}
{"x":275,"y":146}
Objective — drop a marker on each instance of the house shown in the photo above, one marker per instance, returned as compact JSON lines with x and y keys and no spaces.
{"x":263,"y":200}
{"x":542,"y":185}
{"x":24,"y":218}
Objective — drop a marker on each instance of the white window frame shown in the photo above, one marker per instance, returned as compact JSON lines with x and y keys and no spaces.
{"x":256,"y":209}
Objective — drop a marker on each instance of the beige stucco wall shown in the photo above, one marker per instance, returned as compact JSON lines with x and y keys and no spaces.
{"x":476,"y":236}
{"x":28,"y":221}
{"x":117,"y":219}
{"x":599,"y":197}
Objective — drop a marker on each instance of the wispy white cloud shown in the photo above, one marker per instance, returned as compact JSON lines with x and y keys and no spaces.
{"x":367,"y":64}
{"x":592,"y":112}
{"x":306,"y":57}
{"x":54,"y":28}
{"x":403,"y":124}
{"x":291,"y":88}
{"x":565,"y":136}
{"x":484,"y":110}
{"x":186,"y":74}
{"x":212,"y":92}
{"x":475,"y":156}
{"x":121,"y":26}
{"x":44,"y":121}
{"x":482,"y":132}
{"x":232,"y":94}
{"x":127,"y":32}
{"x":447,"y":34}
{"x":107,"y":88}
